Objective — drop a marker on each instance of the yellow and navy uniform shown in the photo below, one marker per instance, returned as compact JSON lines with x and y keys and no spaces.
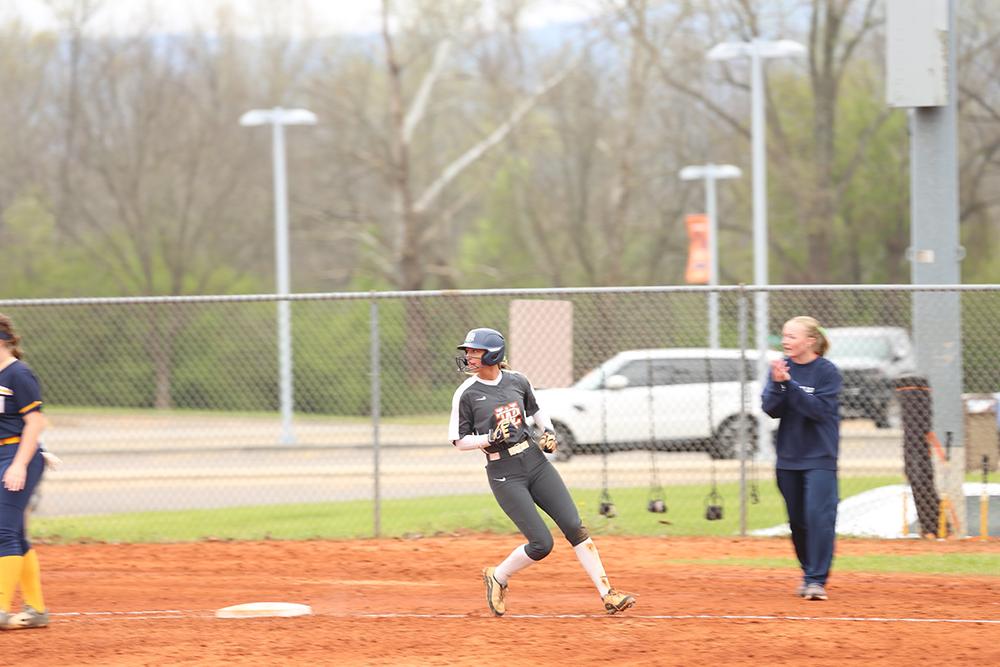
{"x":20,"y":395}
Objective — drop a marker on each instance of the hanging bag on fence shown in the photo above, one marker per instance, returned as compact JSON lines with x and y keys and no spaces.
{"x":656,"y":503}
{"x":714,"y":505}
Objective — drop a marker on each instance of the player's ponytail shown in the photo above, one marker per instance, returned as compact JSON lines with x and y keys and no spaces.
{"x":9,"y":337}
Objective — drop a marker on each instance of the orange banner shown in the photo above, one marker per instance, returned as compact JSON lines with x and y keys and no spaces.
{"x":698,"y":253}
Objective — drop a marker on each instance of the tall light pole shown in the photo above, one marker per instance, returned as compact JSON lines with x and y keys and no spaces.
{"x":278,"y":118}
{"x":758,"y":50}
{"x":711,"y":173}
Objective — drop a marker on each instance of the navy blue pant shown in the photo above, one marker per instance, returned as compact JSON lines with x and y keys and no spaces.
{"x":519,"y":484}
{"x":811,"y":498}
{"x":13,"y":541}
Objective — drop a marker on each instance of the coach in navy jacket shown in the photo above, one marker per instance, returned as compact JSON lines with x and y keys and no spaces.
{"x":802,"y":391}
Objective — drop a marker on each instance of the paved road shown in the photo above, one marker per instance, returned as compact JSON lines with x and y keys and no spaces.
{"x":97,"y":484}
{"x":124,"y":467}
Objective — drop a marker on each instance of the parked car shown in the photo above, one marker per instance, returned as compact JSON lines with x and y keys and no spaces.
{"x":870,"y":359}
{"x":665,"y":399}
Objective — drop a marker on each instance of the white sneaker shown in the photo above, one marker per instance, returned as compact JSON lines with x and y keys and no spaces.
{"x":29,"y":618}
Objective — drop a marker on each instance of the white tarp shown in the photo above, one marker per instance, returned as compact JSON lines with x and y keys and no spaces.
{"x":879,"y":512}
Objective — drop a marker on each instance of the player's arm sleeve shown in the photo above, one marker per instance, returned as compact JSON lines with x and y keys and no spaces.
{"x":530,"y":402}
{"x":27,"y":393}
{"x":534,"y":410}
{"x":542,"y":420}
{"x":460,"y":425}
{"x":823,"y":403}
{"x":471,"y":442}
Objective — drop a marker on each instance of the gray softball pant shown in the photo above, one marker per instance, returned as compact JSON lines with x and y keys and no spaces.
{"x":526,"y":480}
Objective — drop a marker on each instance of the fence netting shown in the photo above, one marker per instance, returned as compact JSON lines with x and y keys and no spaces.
{"x":175,"y":404}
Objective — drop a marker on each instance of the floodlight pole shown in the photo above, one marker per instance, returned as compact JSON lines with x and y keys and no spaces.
{"x":757,"y":51}
{"x":277,"y":118}
{"x":710,"y":173}
{"x":922,"y":76}
{"x":713,"y":262}
{"x":759,"y":137}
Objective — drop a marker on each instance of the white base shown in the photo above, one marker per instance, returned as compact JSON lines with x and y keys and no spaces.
{"x":259,"y":609}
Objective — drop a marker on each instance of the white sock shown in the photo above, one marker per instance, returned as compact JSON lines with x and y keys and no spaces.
{"x":515,"y":562}
{"x":586,"y":552}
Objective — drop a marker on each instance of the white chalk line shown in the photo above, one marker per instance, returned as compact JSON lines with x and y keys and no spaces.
{"x":159,"y":614}
{"x":711,"y":617}
{"x":144,"y":615}
{"x":128,"y":613}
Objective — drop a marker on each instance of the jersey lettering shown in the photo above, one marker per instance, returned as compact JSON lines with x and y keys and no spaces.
{"x":510,"y":412}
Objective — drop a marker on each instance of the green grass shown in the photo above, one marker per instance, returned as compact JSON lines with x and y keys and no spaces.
{"x":479,"y":513}
{"x":991,"y":478}
{"x":986,"y":564}
{"x":426,"y":516}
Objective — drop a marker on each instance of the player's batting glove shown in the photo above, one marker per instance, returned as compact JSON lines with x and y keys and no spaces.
{"x":501,"y":433}
{"x":548,"y":441}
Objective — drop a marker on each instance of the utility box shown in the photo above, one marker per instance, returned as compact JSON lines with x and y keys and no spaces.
{"x":541,"y":341}
{"x":916,"y":53}
{"x":981,"y":435}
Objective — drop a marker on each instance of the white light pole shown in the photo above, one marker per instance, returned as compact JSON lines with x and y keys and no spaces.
{"x":757,"y":51}
{"x":711,"y":173}
{"x":277,"y":118}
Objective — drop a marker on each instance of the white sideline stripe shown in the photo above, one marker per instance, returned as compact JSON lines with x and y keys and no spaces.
{"x":127,"y":613}
{"x":713,"y":617}
{"x":202,"y":613}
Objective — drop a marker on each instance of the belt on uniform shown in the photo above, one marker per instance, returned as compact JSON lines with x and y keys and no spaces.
{"x":11,"y":441}
{"x":513,"y":450}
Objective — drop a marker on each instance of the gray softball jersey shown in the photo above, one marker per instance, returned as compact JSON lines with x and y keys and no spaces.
{"x":524,"y":482}
{"x":478,"y":405}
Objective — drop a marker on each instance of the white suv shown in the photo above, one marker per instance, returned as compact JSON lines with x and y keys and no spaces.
{"x":682,"y":399}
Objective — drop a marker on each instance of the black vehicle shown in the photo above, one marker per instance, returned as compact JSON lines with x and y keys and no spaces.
{"x":869,"y":359}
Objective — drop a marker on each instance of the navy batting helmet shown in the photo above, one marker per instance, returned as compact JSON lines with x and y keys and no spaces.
{"x":490,"y":340}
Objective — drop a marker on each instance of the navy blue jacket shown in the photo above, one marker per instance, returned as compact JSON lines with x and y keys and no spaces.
{"x":809,"y":410}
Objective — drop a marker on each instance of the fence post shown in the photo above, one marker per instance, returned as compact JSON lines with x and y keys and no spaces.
{"x":376,"y":388}
{"x":744,"y":436}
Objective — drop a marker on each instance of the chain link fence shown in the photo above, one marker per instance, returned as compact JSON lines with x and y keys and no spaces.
{"x":165,"y":404}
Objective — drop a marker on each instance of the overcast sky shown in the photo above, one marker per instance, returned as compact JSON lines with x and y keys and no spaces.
{"x":254,"y":16}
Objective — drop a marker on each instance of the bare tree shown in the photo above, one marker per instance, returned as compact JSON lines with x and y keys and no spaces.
{"x":979,"y":130}
{"x":415,"y":204}
{"x":153,"y":180}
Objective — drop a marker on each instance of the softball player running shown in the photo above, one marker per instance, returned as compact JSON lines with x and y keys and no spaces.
{"x":488,"y":413}
{"x":21,"y":466}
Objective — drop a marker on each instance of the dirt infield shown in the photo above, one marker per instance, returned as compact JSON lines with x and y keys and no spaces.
{"x":420,"y":602}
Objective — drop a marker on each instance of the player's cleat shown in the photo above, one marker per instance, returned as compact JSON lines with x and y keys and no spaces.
{"x":29,"y":618}
{"x":495,"y":592}
{"x":800,"y":590}
{"x":815,"y":592}
{"x":616,"y":601}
